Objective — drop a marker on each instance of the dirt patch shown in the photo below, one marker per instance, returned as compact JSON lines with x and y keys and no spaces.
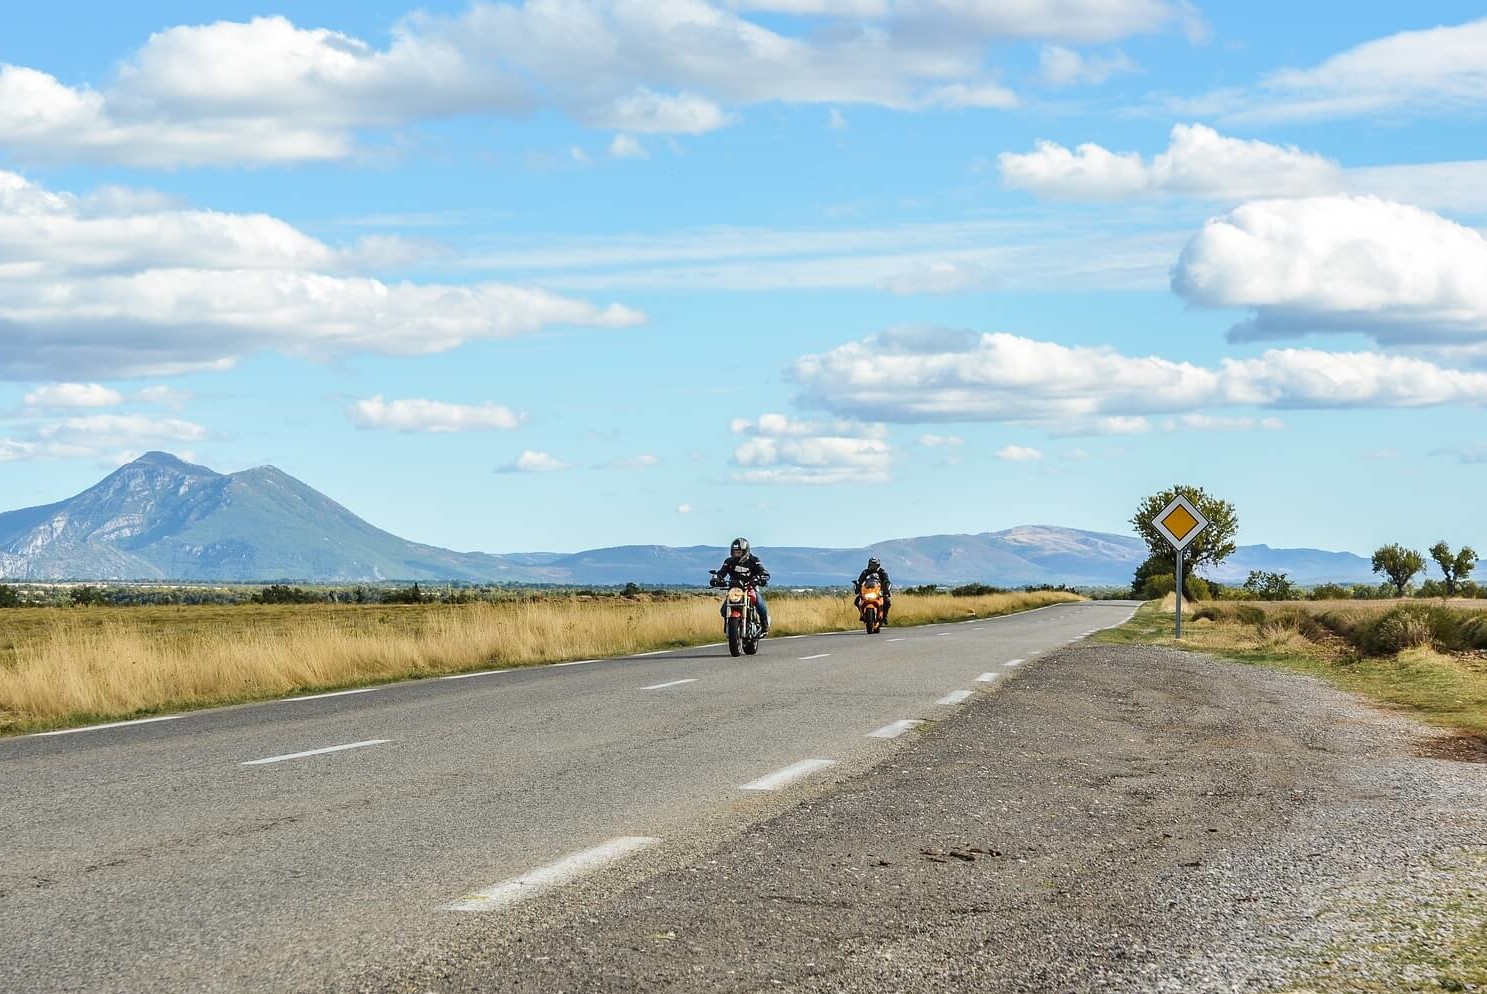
{"x":1462,"y":747}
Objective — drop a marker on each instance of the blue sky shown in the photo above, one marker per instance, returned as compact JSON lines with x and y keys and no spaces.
{"x":559,"y":274}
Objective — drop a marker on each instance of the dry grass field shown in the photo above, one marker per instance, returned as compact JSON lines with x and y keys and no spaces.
{"x":1426,"y":657}
{"x":62,"y":666}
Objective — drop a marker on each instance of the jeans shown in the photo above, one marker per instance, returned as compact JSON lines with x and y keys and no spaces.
{"x":763,"y":608}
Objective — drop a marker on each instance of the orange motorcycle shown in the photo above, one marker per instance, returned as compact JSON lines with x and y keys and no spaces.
{"x":870,"y":605}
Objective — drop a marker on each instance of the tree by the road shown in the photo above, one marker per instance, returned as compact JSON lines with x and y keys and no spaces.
{"x":1455,"y":567}
{"x":1213,"y":546}
{"x":1269,"y":586}
{"x":1398,"y":564}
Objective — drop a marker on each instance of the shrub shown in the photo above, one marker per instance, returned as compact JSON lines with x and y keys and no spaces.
{"x":86,"y":596}
{"x":1397,"y":630}
{"x":9,"y":597}
{"x":1330,"y":592}
{"x":1198,"y":589}
{"x":1157,"y":586}
{"x":278,"y":593}
{"x":975,"y":590}
{"x":404,"y":595}
{"x":1269,"y":586}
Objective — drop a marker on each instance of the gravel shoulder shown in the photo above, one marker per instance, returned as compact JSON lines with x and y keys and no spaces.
{"x":1115,"y":818}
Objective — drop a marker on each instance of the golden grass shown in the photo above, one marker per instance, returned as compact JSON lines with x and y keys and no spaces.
{"x":62,"y":666}
{"x":1448,"y":689}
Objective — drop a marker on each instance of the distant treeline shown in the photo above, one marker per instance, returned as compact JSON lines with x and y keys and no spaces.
{"x":129,"y":595}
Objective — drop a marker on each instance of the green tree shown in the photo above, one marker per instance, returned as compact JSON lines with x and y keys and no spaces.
{"x":9,"y":597}
{"x":1269,"y":586}
{"x":1455,"y":567}
{"x":1398,"y":564}
{"x":1213,"y":546}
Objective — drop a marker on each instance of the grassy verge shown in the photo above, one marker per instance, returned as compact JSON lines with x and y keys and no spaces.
{"x":62,"y":666}
{"x":1420,"y":658}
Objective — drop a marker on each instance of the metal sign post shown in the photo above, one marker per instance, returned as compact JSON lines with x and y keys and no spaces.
{"x":1180,"y":522}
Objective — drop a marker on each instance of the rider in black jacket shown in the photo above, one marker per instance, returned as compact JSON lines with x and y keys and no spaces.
{"x":744,"y":565}
{"x":875,"y":568}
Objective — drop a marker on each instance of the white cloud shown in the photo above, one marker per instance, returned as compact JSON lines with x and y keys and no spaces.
{"x":268,"y":90}
{"x":931,"y":375}
{"x":1402,"y":275}
{"x":781,"y":450}
{"x":102,"y":431}
{"x":930,"y":441}
{"x":684,"y":509}
{"x":940,"y":276}
{"x":1198,"y":162}
{"x":530,"y":461}
{"x":431,"y":416}
{"x":166,"y":291}
{"x":627,"y":147}
{"x":165,"y":396}
{"x":57,"y":395}
{"x":1209,"y":422}
{"x":1018,"y":453}
{"x":1061,"y":66}
{"x":1435,"y":72}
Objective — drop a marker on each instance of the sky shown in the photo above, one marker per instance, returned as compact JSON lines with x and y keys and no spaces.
{"x":559,"y":274}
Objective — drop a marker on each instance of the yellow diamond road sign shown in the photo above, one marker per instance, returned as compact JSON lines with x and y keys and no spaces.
{"x":1180,"y":522}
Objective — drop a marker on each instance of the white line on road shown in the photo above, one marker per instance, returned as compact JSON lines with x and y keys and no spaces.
{"x":944,"y":633}
{"x":1014,"y":662}
{"x":673,"y":683}
{"x":637,"y":655}
{"x":894,"y":730}
{"x":112,"y":724}
{"x":789,"y":774}
{"x":333,"y":693}
{"x":899,"y":639}
{"x":987,"y":677}
{"x":315,"y":752}
{"x":552,"y":875}
{"x":955,"y":697}
{"x":819,"y":655}
{"x":466,"y":676}
{"x":575,"y":662}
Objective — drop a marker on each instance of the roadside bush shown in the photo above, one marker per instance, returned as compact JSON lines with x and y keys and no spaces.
{"x":1330,"y":592}
{"x":922,"y":591}
{"x":9,"y":597}
{"x":1198,"y":589}
{"x":1268,"y":586}
{"x":278,"y":593}
{"x":1395,"y":631}
{"x":975,"y":590}
{"x":1157,"y":586}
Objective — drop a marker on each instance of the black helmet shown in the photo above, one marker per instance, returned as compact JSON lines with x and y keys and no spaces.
{"x":874,"y":564}
{"x":740,"y":547}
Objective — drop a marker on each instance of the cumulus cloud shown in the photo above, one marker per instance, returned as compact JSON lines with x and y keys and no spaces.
{"x":530,"y":461}
{"x":626,"y":147}
{"x":431,"y":416}
{"x":1018,"y":453}
{"x":1198,"y":162}
{"x":165,"y":396}
{"x":1433,"y":72}
{"x":268,"y":90}
{"x":779,"y":449}
{"x":1403,"y":275}
{"x":170,"y":290}
{"x":935,"y":375}
{"x":1061,"y":66}
{"x":99,"y":431}
{"x":1208,"y":422}
{"x":60,"y":395}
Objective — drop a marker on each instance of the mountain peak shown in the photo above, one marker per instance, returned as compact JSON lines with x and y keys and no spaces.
{"x":155,"y":459}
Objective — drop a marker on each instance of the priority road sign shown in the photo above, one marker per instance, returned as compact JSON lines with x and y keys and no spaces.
{"x":1180,"y":522}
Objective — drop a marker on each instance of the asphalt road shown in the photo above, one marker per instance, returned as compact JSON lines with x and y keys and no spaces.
{"x":209,"y":852}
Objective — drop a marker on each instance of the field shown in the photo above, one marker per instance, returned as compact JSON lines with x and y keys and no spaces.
{"x":1426,"y":657}
{"x":65,"y":666}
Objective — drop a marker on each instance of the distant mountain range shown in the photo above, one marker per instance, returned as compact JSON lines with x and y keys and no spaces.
{"x":159,"y":518}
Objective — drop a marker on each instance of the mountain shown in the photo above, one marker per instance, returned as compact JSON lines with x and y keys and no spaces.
{"x":164,"y":519}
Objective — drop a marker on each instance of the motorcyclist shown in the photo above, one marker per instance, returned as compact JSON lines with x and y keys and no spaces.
{"x":874,"y":568}
{"x":744,"y":566}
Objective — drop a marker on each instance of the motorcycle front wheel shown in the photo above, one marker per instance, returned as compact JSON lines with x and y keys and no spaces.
{"x":735,"y":636}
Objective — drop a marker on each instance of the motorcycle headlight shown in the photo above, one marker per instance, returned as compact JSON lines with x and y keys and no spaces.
{"x":735,"y":595}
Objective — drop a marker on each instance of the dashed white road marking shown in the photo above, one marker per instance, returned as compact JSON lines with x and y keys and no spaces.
{"x":955,"y":697}
{"x":944,"y":633}
{"x":333,"y":693}
{"x":1014,"y":662}
{"x":466,"y":676}
{"x":112,"y":724}
{"x":987,"y":677}
{"x":789,"y":774}
{"x":819,"y":655}
{"x":673,"y":683}
{"x":894,"y":730}
{"x":637,"y":655}
{"x":315,"y":752}
{"x":552,"y":875}
{"x":580,"y":662}
{"x":899,"y":639}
